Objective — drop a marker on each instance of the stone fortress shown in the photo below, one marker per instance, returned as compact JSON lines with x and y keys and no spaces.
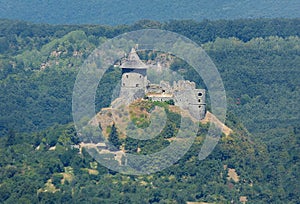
{"x":134,"y":85}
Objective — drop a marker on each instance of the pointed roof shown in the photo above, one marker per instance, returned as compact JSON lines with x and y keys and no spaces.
{"x":133,"y":61}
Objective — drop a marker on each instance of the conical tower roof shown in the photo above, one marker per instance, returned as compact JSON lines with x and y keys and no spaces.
{"x":133,"y":61}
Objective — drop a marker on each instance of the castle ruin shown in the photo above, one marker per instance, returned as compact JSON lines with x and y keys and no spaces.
{"x":135,"y":85}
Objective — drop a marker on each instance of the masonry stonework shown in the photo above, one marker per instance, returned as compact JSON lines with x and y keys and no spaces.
{"x":183,"y":92}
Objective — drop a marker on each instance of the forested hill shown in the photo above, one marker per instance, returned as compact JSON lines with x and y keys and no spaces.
{"x":123,"y":12}
{"x":200,"y":32}
{"x":26,"y":46}
{"x":255,"y":58}
{"x":258,"y":61}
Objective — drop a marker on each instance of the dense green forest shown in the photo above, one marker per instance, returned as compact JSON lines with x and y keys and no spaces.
{"x":118,"y":12}
{"x":259,"y":63}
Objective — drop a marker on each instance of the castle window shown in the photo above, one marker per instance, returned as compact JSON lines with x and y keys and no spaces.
{"x":163,"y":91}
{"x":126,"y":76}
{"x":199,"y":94}
{"x":199,"y":100}
{"x":123,"y":84}
{"x":199,"y":106}
{"x":137,"y":85}
{"x":140,"y":76}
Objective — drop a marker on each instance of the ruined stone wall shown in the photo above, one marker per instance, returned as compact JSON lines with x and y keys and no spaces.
{"x":192,"y":100}
{"x":184,"y":94}
{"x":161,"y":98}
{"x":184,"y":85}
{"x":153,"y":89}
{"x":163,"y":88}
{"x":166,"y":87}
{"x":130,"y":94}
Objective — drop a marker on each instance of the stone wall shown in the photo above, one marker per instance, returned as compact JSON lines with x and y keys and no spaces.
{"x":184,"y":94}
{"x":135,"y":85}
{"x":191,"y":100}
{"x":130,"y":94}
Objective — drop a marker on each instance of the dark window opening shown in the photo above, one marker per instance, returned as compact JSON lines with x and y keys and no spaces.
{"x":163,"y":91}
{"x":126,"y":76}
{"x":199,"y":100}
{"x":137,"y":85}
{"x":199,"y":94}
{"x":199,"y":106}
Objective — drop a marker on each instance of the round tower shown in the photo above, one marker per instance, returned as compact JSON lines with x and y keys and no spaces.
{"x":134,"y":76}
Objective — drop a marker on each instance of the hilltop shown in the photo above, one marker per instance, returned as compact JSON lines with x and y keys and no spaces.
{"x":55,"y":170}
{"x":139,"y":113}
{"x":258,"y":61}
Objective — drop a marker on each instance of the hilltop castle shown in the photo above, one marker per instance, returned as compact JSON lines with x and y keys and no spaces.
{"x":135,"y":85}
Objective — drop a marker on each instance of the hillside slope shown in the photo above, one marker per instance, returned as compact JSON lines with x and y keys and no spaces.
{"x":259,"y":64}
{"x":47,"y":167}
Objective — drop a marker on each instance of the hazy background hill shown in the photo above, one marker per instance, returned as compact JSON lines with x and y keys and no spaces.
{"x":123,"y":12}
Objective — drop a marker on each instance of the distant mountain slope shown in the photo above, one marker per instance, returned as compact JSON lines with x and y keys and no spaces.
{"x":260,"y":72}
{"x":259,"y":64}
{"x":123,"y":12}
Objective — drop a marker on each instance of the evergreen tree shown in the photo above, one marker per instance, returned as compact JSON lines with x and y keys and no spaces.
{"x":114,"y":138}
{"x":11,"y":140}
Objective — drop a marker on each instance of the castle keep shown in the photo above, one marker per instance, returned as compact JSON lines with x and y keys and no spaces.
{"x":135,"y":85}
{"x":134,"y":77}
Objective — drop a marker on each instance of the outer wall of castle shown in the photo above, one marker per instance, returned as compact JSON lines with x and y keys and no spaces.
{"x":192,"y":100}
